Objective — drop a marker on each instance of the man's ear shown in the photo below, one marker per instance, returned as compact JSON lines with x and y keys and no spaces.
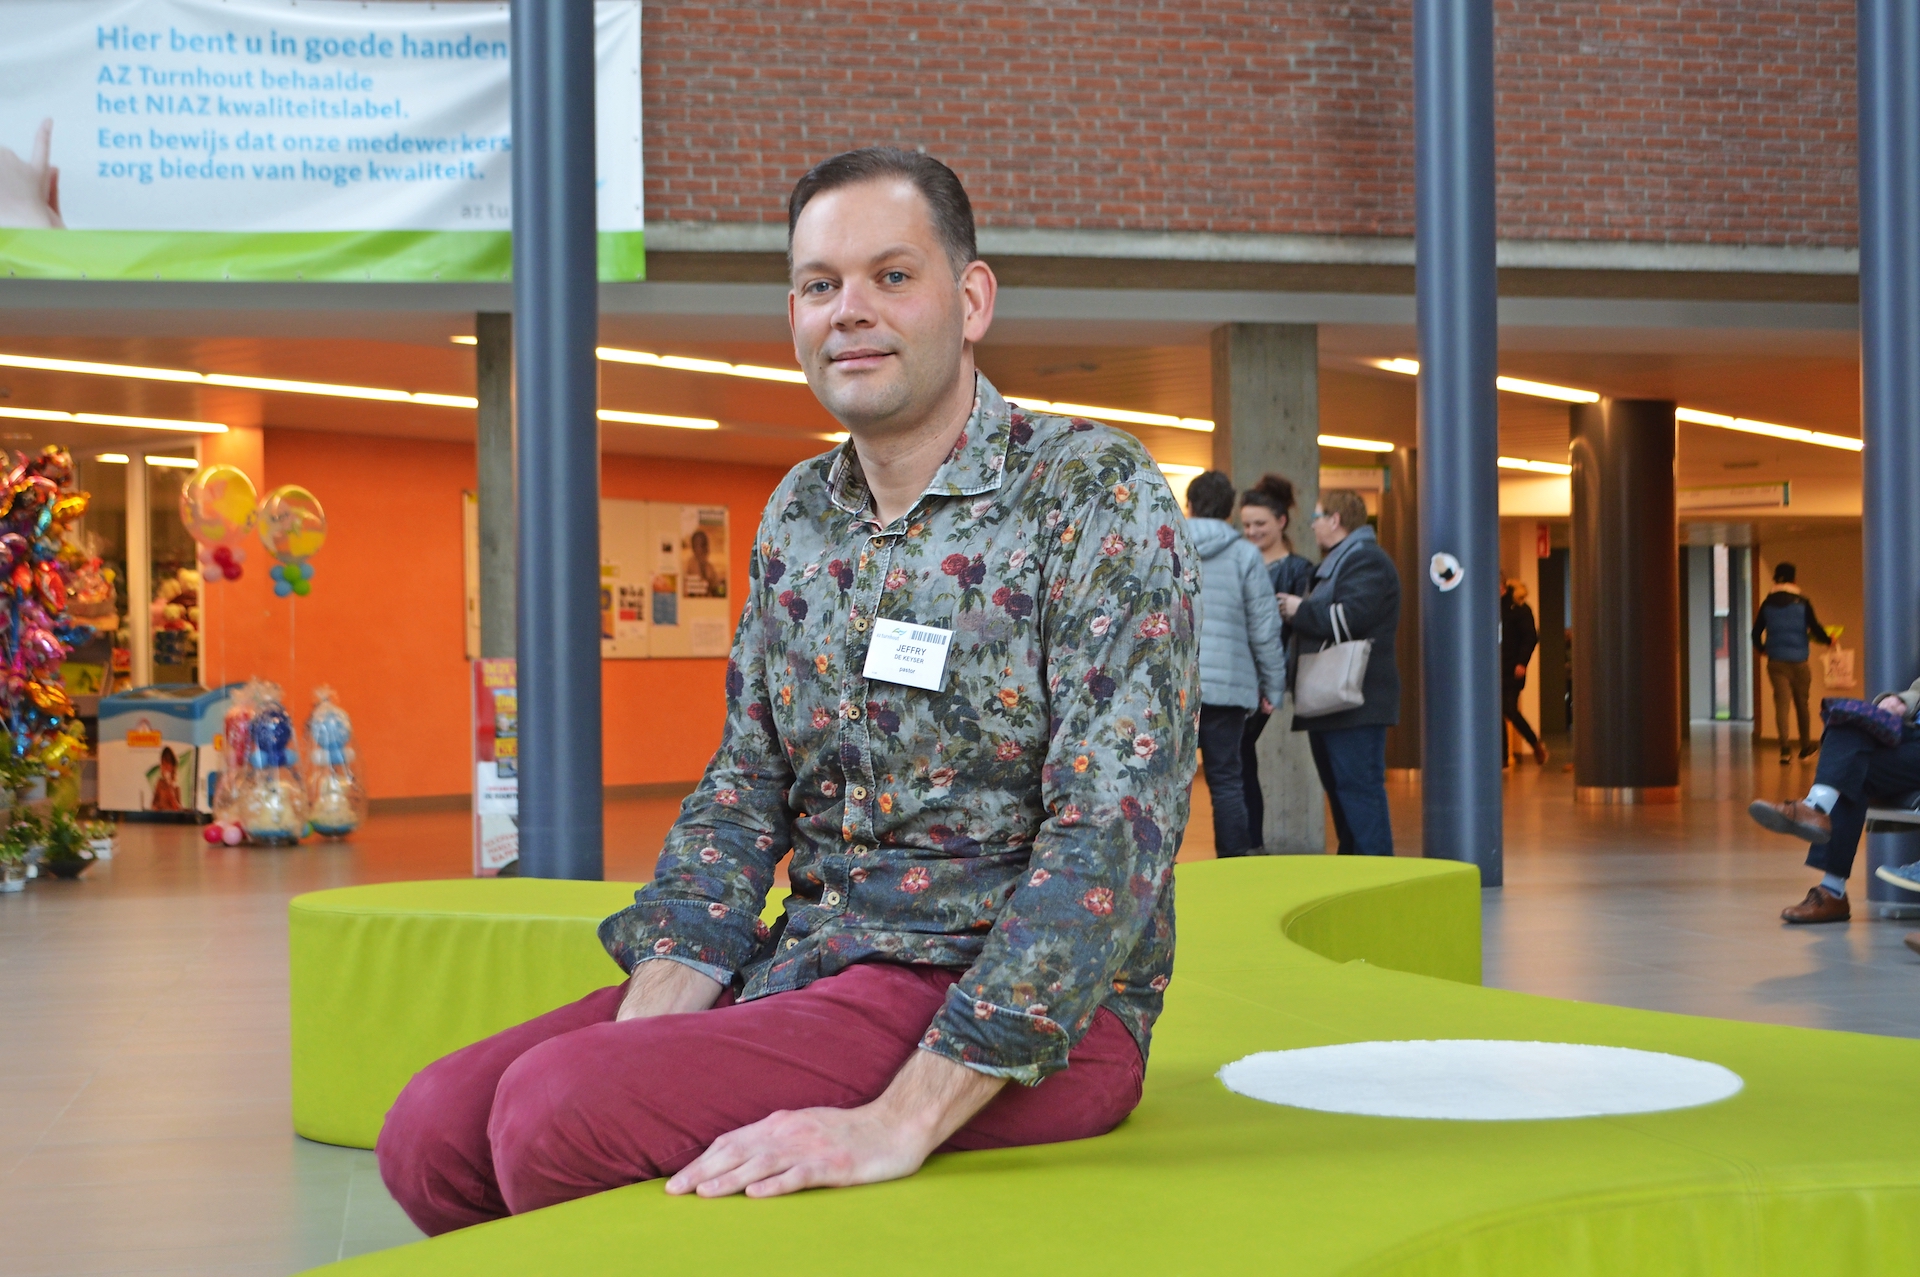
{"x":978,"y":291}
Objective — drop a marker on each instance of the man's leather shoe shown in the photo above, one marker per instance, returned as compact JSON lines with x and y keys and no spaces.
{"x":1808,"y":751}
{"x":1794,"y":818}
{"x":1820,"y":905}
{"x":1540,"y":753}
{"x":1913,"y":941}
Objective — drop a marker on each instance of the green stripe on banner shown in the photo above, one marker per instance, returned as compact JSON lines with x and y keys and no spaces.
{"x":320,"y":256}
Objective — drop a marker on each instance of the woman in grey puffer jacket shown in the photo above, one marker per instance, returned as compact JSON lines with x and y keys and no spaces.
{"x":1242,"y":666}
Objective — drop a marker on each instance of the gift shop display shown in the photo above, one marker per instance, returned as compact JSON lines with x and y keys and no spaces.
{"x":37,"y":510}
{"x":273,"y":803}
{"x":336,"y":802}
{"x":157,"y":748}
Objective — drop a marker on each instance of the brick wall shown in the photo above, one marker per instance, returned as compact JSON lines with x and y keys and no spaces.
{"x":1721,"y":122}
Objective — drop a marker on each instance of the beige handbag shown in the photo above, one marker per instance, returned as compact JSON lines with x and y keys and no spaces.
{"x":1330,"y":680}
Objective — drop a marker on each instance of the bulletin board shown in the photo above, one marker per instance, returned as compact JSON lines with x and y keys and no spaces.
{"x":663,"y":579}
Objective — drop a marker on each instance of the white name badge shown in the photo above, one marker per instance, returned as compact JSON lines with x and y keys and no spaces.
{"x":908,"y":652}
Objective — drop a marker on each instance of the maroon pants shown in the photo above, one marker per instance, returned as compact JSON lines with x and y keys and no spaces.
{"x":574,"y":1102}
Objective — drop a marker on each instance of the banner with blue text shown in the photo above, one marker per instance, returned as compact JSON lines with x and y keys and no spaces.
{"x":284,"y":140}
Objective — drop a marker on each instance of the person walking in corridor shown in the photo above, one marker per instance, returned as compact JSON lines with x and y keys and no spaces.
{"x":1518,"y":639}
{"x":1242,"y":666}
{"x":1784,"y":629}
{"x":1356,"y":594}
{"x":1266,"y":513}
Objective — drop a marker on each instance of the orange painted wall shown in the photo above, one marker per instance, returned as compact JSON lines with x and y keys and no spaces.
{"x":384,"y":624}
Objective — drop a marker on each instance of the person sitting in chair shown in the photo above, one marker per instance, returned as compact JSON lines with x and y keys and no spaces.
{"x":1856,"y":770}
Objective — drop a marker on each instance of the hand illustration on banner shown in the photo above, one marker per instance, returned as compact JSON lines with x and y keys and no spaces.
{"x":30,"y":188}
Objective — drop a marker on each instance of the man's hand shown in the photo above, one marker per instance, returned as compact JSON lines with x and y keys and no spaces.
{"x":1289,"y":604}
{"x":1519,"y":671}
{"x":662,"y":987}
{"x":1893,"y":705}
{"x":1266,"y":706}
{"x":30,"y":188}
{"x":928,"y":1100}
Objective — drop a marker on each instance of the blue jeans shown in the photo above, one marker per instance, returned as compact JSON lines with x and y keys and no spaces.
{"x":1352,"y":763}
{"x":1220,"y":730}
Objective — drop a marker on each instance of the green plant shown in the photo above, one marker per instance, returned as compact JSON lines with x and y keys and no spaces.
{"x":64,"y":838}
{"x":21,"y":834}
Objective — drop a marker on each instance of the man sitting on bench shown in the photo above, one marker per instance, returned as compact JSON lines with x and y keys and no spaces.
{"x":963,"y":697}
{"x":1855,"y":772}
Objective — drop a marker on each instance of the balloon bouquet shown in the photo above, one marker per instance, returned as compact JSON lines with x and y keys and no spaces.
{"x":36,"y":564}
{"x":261,"y":796}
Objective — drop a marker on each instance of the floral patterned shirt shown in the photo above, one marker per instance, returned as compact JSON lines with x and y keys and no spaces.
{"x":1019,"y":823}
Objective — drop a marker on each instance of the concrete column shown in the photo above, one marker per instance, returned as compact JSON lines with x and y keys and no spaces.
{"x":1400,"y":535}
{"x":1889,"y":52}
{"x":139,"y":571}
{"x":493,"y":366}
{"x":1626,"y":603}
{"x":1266,"y":413}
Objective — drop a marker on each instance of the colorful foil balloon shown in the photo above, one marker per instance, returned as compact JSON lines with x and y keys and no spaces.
{"x":217,"y":507}
{"x":37,"y":568}
{"x":293,"y":527}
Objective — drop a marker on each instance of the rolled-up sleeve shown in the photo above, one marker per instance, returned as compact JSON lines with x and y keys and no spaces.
{"x":1123,"y":687}
{"x":703,"y":906}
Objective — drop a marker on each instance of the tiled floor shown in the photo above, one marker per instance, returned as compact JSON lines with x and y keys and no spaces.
{"x":143,"y":1062}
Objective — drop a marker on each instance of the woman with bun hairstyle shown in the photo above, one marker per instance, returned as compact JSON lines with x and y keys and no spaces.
{"x":1266,"y":511}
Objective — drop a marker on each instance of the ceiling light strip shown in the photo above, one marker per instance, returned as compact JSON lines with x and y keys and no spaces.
{"x":1693,"y":416}
{"x":112,"y":419}
{"x":1534,"y":467}
{"x":234,"y":381}
{"x":172,"y":463}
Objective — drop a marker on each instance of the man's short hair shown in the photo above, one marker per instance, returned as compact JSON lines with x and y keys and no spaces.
{"x":1210,"y":495}
{"x":1782,"y":573}
{"x":1345,"y":505}
{"x":947,"y":201}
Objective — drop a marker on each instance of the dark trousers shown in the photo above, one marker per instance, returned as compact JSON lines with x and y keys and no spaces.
{"x":1250,"y":778}
{"x":1221,"y":727}
{"x":1352,"y":763}
{"x":1865,"y":772}
{"x":1510,"y":688}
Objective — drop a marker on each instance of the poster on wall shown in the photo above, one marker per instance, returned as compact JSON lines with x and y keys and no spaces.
{"x":664,"y":587}
{"x":284,"y":140}
{"x":496,"y":766}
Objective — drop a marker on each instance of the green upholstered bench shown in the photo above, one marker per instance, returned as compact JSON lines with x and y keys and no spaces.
{"x":1813,"y":1167}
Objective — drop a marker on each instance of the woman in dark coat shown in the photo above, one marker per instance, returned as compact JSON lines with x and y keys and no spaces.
{"x":1357,"y":582}
{"x":1266,"y":512}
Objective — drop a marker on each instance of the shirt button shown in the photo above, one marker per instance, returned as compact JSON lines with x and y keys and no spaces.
{"x":859,"y":622}
{"x":833,"y":897}
{"x":858,"y":793}
{"x":861,"y":849}
{"x":853,"y":711}
{"x":792,"y":943}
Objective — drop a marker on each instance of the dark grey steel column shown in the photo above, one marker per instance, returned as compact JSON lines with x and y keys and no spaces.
{"x":1626,"y":603}
{"x":1459,"y":439}
{"x":493,"y":457}
{"x":557,"y":320}
{"x":1889,"y":43}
